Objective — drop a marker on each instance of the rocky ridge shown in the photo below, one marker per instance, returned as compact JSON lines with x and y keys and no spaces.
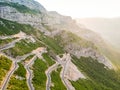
{"x":29,"y":3}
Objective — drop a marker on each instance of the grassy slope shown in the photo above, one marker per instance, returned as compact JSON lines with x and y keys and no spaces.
{"x":5,"y":65}
{"x":52,"y":44}
{"x":39,"y":79}
{"x":110,"y":53}
{"x":6,"y":41}
{"x":99,"y":77}
{"x":48,"y":59}
{"x":23,"y":47}
{"x":10,"y":28}
{"x":39,"y":68}
{"x":56,"y":80}
{"x":66,"y":38}
{"x":17,"y":84}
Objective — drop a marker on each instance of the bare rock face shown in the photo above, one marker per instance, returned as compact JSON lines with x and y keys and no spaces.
{"x":78,"y":51}
{"x":12,"y":14}
{"x":29,"y":3}
{"x":55,"y":21}
{"x":73,"y":73}
{"x":88,"y":52}
{"x":80,"y":47}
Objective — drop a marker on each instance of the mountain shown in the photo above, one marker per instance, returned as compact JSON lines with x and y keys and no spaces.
{"x":42,"y":49}
{"x":109,"y":28}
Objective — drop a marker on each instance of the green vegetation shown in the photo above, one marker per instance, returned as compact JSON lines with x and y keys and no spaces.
{"x":5,"y":65}
{"x":100,"y":78}
{"x":5,"y":41}
{"x":17,"y":84}
{"x":18,"y":79}
{"x":10,"y":28}
{"x":67,"y":38}
{"x":52,"y":44}
{"x":39,"y":68}
{"x":20,"y":71}
{"x":88,"y":85}
{"x":20,"y":8}
{"x":28,"y":58}
{"x":56,"y":80}
{"x":48,"y":59}
{"x":23,"y":47}
{"x":39,"y":79}
{"x":110,"y":53}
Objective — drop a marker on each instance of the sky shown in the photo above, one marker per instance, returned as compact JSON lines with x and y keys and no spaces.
{"x":84,"y":8}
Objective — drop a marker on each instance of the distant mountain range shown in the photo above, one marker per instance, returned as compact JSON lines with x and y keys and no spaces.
{"x":109,"y":28}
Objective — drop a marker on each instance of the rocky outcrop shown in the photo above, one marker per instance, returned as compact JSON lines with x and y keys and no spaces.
{"x":29,"y":3}
{"x":82,"y":48}
{"x":12,"y":14}
{"x":55,"y":21}
{"x":73,"y":73}
{"x":89,"y":52}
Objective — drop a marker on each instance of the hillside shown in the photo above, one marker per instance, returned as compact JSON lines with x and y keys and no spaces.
{"x":41,"y":50}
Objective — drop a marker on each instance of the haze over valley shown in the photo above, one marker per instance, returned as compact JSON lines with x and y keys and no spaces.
{"x":108,"y":28}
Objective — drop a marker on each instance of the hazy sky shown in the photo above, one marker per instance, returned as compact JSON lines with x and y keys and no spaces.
{"x":84,"y":8}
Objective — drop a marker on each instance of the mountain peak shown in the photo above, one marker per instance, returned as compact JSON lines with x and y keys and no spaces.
{"x":28,"y":3}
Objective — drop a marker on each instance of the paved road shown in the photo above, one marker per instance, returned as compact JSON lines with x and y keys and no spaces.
{"x":15,"y":66}
{"x":29,"y":73}
{"x":38,"y":53}
{"x":9,"y":45}
{"x":6,"y":37}
{"x":64,"y":64}
{"x":20,"y":36}
{"x":48,"y":72}
{"x":64,"y":61}
{"x":20,"y":58}
{"x":64,"y":71}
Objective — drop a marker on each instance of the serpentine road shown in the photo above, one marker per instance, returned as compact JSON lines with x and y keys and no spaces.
{"x":14,"y":61}
{"x":61,"y":61}
{"x":64,"y":62}
{"x":48,"y":72}
{"x":29,"y":73}
{"x":9,"y":45}
{"x":15,"y":66}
